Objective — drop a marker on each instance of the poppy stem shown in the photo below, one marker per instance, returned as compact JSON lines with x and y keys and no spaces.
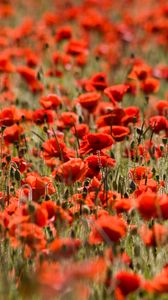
{"x":35,"y":133}
{"x":61,"y":155}
{"x":78,"y":144}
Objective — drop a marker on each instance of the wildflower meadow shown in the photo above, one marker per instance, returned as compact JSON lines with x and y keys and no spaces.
{"x":84,"y":149}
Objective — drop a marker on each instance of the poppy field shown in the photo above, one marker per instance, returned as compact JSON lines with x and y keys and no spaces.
{"x":84,"y":149}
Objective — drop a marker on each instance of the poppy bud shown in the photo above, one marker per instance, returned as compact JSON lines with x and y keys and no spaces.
{"x":17,"y":175}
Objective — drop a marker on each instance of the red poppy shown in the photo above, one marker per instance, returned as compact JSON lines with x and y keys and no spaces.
{"x":115,"y":117}
{"x":107,"y":228}
{"x":140,"y":172}
{"x":162,"y":107}
{"x":159,"y":284}
{"x":39,"y":185}
{"x":27,"y":73}
{"x":42,"y":116}
{"x":31,"y":235}
{"x":30,"y":76}
{"x":163,"y":203}
{"x":40,"y":216}
{"x":95,"y":141}
{"x":80,"y":130}
{"x":132,"y":115}
{"x":55,"y":148}
{"x":5,"y":64}
{"x":99,"y":81}
{"x":158,"y":123}
{"x":161,"y":72}
{"x":67,"y":120}
{"x":89,"y":101}
{"x":141,"y":72}
{"x":9,"y":115}
{"x":126,"y":283}
{"x":70,"y":171}
{"x":123,"y":205}
{"x":150,"y":85}
{"x":64,"y":247}
{"x":76,"y":47}
{"x":119,"y":133}
{"x":116,"y":93}
{"x":147,"y":205}
{"x":50,"y":206}
{"x":62,"y":33}
{"x":12,"y":134}
{"x":98,"y":162}
{"x":157,"y":236}
{"x":21,"y":163}
{"x":31,"y":59}
{"x":92,"y":20}
{"x":50,"y":101}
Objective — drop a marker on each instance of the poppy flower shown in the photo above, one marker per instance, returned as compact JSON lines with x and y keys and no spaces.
{"x":50,"y":206}
{"x":55,"y":148}
{"x":122,"y":205}
{"x":40,"y":216}
{"x":42,"y":116}
{"x":62,"y":33}
{"x":140,"y":172}
{"x":126,"y":283}
{"x":31,"y":235}
{"x":104,"y":108}
{"x":158,"y":123}
{"x":132,"y":114}
{"x":108,"y":198}
{"x":147,"y":205}
{"x":157,"y":236}
{"x":31,"y":59}
{"x":140,"y":72}
{"x":81,"y":59}
{"x":96,"y":163}
{"x":21,"y":163}
{"x":36,"y":213}
{"x":30,"y":76}
{"x":161,"y":72}
{"x":6,"y":64}
{"x":114,"y":117}
{"x":107,"y":228}
{"x":64,"y":247}
{"x":67,"y":120}
{"x":92,"y":20}
{"x":9,"y":115}
{"x":150,"y":85}
{"x":162,"y":107}
{"x":12,"y":134}
{"x":76,"y":47}
{"x":70,"y":171}
{"x":95,"y":141}
{"x":99,"y":81}
{"x":119,"y":133}
{"x":159,"y":284}
{"x":163,"y":203}
{"x":50,"y":18}
{"x":50,"y":101}
{"x":39,"y":186}
{"x":116,"y":93}
{"x":27,"y":73}
{"x":89,"y":101}
{"x":147,"y":184}
{"x":80,"y":130}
